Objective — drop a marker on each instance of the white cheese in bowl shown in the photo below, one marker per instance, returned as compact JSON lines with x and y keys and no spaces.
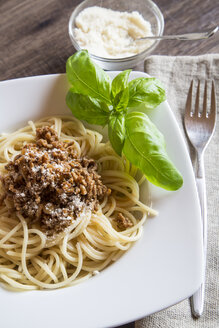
{"x":111,"y":34}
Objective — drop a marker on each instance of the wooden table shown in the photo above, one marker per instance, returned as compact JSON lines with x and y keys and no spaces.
{"x":34,"y":34}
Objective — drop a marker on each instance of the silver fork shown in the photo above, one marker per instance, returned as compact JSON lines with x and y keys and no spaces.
{"x":200,"y":126}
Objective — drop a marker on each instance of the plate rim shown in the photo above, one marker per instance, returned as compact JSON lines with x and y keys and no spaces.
{"x":17,"y":80}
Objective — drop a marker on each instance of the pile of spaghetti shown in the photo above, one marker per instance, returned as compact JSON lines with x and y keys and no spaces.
{"x":69,"y":206}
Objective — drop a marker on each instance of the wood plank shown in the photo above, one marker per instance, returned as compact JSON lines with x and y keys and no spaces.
{"x":34,"y":34}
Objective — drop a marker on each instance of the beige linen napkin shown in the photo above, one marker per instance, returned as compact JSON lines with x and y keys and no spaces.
{"x":176,"y":74}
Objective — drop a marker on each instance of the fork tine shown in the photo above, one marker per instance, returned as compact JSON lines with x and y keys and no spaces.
{"x":189,"y":101}
{"x":196,"y":113}
{"x":204,"y":113}
{"x":212,"y":114}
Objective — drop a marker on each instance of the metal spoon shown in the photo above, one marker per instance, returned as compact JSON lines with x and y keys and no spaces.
{"x":185,"y":37}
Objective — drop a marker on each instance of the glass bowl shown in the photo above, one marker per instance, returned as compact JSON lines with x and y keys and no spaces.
{"x":147,"y":8}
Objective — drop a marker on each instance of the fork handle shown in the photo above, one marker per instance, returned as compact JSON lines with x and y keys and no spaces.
{"x":197,"y":300}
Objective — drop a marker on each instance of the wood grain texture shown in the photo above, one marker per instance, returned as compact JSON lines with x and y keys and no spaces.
{"x":34,"y":34}
{"x":189,"y":15}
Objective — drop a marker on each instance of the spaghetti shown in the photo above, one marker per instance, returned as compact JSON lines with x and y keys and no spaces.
{"x":28,"y":258}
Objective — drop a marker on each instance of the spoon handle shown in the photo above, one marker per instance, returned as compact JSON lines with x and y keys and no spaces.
{"x":184,"y":37}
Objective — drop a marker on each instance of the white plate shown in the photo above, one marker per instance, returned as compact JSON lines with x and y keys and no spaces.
{"x":163,"y":268}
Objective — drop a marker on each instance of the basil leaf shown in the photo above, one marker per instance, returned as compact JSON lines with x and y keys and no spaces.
{"x":87,"y":78}
{"x":121,"y":100}
{"x":146,"y":90}
{"x":120,"y":82}
{"x":88,"y":109}
{"x":120,"y":91}
{"x":116,"y":131}
{"x":144,"y":147}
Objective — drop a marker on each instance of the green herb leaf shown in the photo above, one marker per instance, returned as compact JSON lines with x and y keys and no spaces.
{"x":97,"y":100}
{"x":88,"y":109}
{"x":144,"y":147}
{"x":87,"y":78}
{"x":116,"y":131}
{"x":120,"y":82}
{"x":146,"y":90}
{"x":121,"y":100}
{"x":120,"y":91}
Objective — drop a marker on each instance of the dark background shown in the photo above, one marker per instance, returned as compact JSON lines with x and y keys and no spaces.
{"x":34,"y":34}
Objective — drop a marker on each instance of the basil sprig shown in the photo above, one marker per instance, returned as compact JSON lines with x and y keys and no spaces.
{"x":94,"y":98}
